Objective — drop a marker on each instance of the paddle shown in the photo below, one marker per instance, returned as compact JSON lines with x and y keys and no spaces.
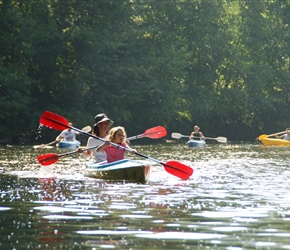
{"x":219,"y":139}
{"x":87,"y":129}
{"x":58,"y":122}
{"x":44,"y":145}
{"x":152,"y":133}
{"x":264,"y":136}
{"x":51,"y":158}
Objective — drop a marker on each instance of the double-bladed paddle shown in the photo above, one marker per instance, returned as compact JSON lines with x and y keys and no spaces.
{"x":58,"y":122}
{"x":152,"y":133}
{"x":218,"y":139}
{"x":264,"y":136}
{"x":44,"y":145}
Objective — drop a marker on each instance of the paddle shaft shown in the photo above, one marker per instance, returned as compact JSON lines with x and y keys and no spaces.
{"x":279,"y":133}
{"x":43,"y":145}
{"x":50,"y":143}
{"x":76,"y":151}
{"x":136,"y":137}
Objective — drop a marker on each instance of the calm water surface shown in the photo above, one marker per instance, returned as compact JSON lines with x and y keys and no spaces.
{"x":237,"y":198}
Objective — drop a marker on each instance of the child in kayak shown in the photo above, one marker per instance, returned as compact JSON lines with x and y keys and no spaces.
{"x":117,"y":135}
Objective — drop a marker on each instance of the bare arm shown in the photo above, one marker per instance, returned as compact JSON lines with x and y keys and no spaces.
{"x":191,"y":136}
{"x":102,"y":146}
{"x":201,"y":135}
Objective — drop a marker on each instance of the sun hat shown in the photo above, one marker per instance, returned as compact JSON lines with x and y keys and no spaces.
{"x":102,"y":118}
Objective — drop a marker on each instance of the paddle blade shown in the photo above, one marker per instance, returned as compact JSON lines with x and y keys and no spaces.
{"x":176,"y":135}
{"x":222,"y":139}
{"x":54,"y":121}
{"x":47,"y":159}
{"x":87,"y":129}
{"x":156,"y":132}
{"x":178,"y":169}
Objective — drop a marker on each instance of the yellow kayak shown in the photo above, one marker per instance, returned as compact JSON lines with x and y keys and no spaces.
{"x":274,"y":142}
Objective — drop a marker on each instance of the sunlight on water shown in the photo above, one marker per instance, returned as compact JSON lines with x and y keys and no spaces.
{"x":237,"y":198}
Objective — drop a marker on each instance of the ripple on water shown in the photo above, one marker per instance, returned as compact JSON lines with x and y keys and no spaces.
{"x":237,"y":198}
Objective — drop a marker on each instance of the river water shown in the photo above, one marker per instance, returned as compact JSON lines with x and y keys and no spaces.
{"x":237,"y":198}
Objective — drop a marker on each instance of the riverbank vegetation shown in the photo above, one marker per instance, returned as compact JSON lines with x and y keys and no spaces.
{"x":221,"y":64}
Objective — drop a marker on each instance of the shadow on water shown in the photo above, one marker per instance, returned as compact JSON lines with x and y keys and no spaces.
{"x":237,"y":198}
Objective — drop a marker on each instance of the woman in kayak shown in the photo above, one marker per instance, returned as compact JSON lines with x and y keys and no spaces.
{"x":196,"y":134}
{"x":101,"y":129}
{"x":117,"y":135}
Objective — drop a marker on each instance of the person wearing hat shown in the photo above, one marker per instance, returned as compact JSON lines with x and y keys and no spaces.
{"x":101,"y":129}
{"x":195,"y":134}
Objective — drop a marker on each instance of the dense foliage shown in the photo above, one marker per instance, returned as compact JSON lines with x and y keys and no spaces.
{"x":221,"y":64}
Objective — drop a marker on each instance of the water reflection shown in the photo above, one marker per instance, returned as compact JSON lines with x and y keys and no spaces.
{"x":237,"y":198}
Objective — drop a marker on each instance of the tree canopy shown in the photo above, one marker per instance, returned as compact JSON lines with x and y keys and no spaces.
{"x":221,"y":64}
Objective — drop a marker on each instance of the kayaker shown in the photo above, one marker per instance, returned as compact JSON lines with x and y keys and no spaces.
{"x":118,"y":136}
{"x":285,"y":136}
{"x":67,"y":134}
{"x":101,"y":129}
{"x":196,"y":134}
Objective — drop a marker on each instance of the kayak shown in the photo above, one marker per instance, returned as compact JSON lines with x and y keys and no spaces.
{"x":274,"y":142}
{"x":69,"y":144}
{"x":196,"y":143}
{"x":129,"y":170}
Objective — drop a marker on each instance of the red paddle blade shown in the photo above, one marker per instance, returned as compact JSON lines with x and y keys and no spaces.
{"x":54,"y":121}
{"x":47,"y":159}
{"x":156,"y":132}
{"x":178,"y":169}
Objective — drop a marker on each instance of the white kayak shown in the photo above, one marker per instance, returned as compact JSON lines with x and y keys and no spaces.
{"x":129,"y":170}
{"x":196,"y":143}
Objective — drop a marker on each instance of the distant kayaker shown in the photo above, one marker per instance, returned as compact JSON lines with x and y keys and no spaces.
{"x":67,"y":134}
{"x":284,"y":136}
{"x":101,"y":129}
{"x":196,"y":134}
{"x":117,"y":135}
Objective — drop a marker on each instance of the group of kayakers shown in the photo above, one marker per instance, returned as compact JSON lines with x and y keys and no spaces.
{"x":102,"y":150}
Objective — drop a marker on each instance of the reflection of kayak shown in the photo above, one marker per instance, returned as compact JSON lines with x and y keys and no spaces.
{"x":131,"y":170}
{"x":196,"y":143}
{"x":69,"y":144}
{"x":274,"y":142}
